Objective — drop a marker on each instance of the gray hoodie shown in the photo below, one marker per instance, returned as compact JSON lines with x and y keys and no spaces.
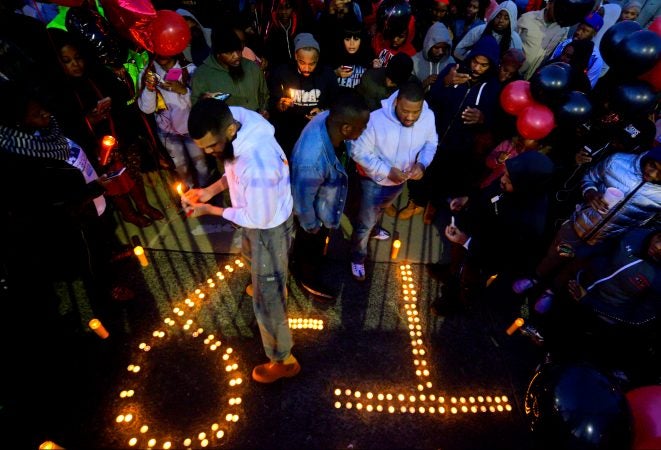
{"x":422,"y":66}
{"x":464,"y":46}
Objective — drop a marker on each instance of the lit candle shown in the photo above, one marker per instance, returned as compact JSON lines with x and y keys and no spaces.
{"x":49,"y":445}
{"x":140,"y":253}
{"x":326,"y":245}
{"x":99,"y":329}
{"x":491,"y":279}
{"x":518,"y":323}
{"x":395,"y":248}
{"x":291,"y":94}
{"x":180,"y":189}
{"x":108,"y":143}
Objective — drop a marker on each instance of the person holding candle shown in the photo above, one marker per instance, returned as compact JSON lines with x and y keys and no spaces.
{"x":497,"y":229}
{"x":257,"y":177}
{"x":399,"y":143}
{"x":299,"y":91}
{"x":320,"y":183}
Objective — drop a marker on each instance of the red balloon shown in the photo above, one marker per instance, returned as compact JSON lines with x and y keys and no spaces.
{"x":653,"y":77}
{"x":131,"y":18}
{"x":516,"y":96}
{"x":170,"y":34}
{"x":656,"y":26}
{"x":645,"y":404}
{"x":535,"y":121}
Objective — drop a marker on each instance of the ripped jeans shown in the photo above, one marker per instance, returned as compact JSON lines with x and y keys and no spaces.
{"x":268,"y":253}
{"x":189,"y":160}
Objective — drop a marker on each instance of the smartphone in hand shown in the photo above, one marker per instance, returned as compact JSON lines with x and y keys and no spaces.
{"x":173,"y":74}
{"x":115,"y":173}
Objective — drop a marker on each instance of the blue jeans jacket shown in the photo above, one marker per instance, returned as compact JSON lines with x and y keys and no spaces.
{"x":319,"y":180}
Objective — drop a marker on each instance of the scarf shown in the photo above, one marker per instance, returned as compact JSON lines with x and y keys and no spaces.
{"x":49,"y":143}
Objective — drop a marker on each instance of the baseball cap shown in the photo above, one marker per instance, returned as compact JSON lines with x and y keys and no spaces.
{"x":594,"y":20}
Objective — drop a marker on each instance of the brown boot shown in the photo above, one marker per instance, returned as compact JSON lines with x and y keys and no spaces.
{"x":390,"y":210}
{"x":410,"y":210}
{"x":139,"y":196}
{"x":127,"y":211}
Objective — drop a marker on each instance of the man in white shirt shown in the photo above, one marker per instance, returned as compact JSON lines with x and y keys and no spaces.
{"x":257,"y":176}
{"x":399,"y":144}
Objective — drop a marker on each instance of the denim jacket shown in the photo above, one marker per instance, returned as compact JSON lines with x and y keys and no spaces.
{"x":319,"y":181}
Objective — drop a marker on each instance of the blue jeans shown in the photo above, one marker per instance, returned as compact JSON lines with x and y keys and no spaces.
{"x":268,"y":253}
{"x":189,"y":160}
{"x":374,"y":199}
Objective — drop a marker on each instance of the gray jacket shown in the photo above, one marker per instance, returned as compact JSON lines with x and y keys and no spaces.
{"x":622,"y":171}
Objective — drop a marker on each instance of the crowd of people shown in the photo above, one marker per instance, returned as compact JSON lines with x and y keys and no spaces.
{"x":319,"y":109}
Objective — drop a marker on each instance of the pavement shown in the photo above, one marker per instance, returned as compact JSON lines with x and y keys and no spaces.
{"x":379,"y":371}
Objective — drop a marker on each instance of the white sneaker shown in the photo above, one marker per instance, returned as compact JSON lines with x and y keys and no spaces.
{"x":380,"y":234}
{"x":358,"y":271}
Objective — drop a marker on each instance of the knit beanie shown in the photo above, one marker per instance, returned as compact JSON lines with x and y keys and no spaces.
{"x":305,"y":40}
{"x":225,"y":40}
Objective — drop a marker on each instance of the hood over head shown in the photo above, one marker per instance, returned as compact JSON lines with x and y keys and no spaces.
{"x":488,"y":47}
{"x":436,"y":34}
{"x":511,"y":9}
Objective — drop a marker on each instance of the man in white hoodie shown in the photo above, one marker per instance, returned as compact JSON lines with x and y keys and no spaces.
{"x":399,"y":143}
{"x":257,"y":176}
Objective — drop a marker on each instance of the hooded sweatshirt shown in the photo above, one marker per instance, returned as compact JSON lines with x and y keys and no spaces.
{"x":258,"y":176}
{"x":386,"y":143}
{"x":250,"y":92}
{"x":449,"y":101}
{"x":423,"y":67}
{"x":474,"y":34}
{"x":194,"y":54}
{"x":506,"y":228}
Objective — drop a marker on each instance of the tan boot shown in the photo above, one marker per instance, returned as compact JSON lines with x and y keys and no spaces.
{"x":390,"y":211}
{"x":410,"y":210}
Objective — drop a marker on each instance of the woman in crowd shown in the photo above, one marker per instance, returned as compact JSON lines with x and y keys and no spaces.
{"x":352,"y":54}
{"x":95,"y":103}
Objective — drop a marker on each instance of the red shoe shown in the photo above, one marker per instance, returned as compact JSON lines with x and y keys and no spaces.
{"x":273,"y":371}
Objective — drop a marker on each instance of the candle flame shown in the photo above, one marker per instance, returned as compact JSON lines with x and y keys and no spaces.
{"x":109,"y":141}
{"x":180,"y":189}
{"x":291,"y":93}
{"x":397,"y":243}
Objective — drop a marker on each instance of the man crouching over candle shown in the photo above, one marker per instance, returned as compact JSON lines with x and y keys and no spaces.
{"x":257,"y":176}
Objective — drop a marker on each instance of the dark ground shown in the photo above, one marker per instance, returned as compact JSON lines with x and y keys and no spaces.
{"x":182,"y":388}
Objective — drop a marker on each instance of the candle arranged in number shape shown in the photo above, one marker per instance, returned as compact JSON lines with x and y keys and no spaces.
{"x":140,"y":253}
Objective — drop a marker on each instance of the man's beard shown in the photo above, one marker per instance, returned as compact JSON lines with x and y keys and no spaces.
{"x":227,"y":155}
{"x":236,"y":73}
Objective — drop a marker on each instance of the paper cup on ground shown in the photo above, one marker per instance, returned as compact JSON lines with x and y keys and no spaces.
{"x":613,"y":196}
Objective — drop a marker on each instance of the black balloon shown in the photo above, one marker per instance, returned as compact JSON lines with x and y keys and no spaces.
{"x":550,"y":83}
{"x":570,"y":12}
{"x":638,"y":53}
{"x":613,"y":36}
{"x":575,"y":406}
{"x":95,"y":32}
{"x":633,"y":97}
{"x":575,"y":110}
